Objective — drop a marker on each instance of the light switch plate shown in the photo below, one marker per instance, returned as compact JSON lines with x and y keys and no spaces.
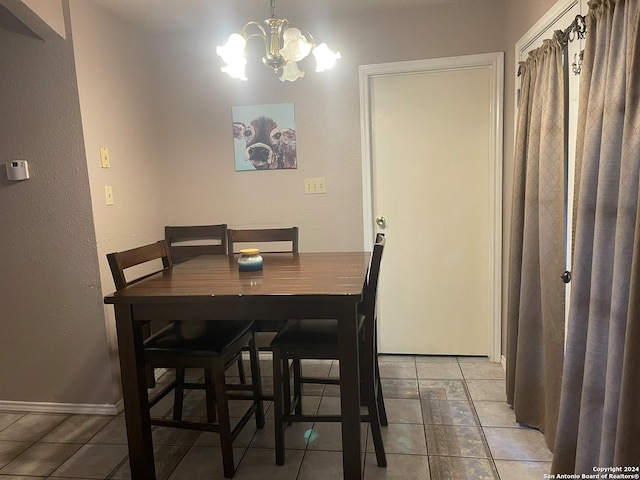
{"x":108,"y":194}
{"x":105,"y":161}
{"x":315,"y":185}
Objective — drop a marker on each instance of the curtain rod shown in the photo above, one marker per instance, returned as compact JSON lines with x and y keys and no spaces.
{"x":577,"y":27}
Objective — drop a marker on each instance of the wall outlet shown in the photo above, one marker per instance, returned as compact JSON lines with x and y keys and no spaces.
{"x":315,"y":185}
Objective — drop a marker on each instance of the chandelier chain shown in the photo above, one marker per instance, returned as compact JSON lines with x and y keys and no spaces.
{"x":273,"y":8}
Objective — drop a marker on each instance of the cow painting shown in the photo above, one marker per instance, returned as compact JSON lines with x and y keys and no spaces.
{"x":267,"y":146}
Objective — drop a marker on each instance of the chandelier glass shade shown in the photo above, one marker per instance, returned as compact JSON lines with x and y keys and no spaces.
{"x":285,"y":47}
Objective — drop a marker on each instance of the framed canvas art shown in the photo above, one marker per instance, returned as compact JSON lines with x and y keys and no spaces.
{"x":264,"y":137}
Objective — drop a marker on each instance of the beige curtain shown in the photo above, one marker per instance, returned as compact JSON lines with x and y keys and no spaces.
{"x":599,"y":422}
{"x":535,"y":322}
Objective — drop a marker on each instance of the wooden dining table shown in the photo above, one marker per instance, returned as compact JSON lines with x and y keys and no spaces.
{"x":325,"y":285}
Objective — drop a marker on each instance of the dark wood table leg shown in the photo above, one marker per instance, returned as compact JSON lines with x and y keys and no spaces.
{"x":134,"y":392}
{"x":350,"y":393}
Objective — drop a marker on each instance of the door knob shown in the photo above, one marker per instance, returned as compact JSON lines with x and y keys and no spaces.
{"x":381,"y":221}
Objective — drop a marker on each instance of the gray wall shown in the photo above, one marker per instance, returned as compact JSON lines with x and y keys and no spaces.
{"x":197,"y":98}
{"x":54,"y":341}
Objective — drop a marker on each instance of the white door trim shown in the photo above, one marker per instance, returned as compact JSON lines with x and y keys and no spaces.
{"x":495,"y":62}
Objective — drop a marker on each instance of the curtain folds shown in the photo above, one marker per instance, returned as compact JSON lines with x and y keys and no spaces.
{"x":535,"y":317}
{"x":599,"y":418}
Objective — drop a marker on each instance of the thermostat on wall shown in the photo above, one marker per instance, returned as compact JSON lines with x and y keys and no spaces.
{"x":18,"y":170}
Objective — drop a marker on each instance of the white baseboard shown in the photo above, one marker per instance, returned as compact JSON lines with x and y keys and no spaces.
{"x":68,"y":408}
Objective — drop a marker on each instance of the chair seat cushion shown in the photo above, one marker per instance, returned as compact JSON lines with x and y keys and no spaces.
{"x":309,"y":334}
{"x":198,"y":339}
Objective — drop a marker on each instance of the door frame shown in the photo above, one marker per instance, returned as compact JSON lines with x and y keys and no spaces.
{"x":495,"y":63}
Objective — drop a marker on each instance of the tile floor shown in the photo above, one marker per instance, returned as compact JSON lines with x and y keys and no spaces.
{"x":448,"y":420}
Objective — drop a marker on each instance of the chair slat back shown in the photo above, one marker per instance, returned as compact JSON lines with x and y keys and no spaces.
{"x":368,"y":304}
{"x":190,"y":241}
{"x":275,"y":237}
{"x":121,"y":261}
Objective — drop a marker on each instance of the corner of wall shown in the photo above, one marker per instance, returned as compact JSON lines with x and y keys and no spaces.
{"x":50,"y":12}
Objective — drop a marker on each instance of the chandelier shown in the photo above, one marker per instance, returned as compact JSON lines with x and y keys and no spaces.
{"x":285,"y":47}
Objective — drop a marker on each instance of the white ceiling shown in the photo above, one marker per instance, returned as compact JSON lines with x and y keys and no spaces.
{"x":181,"y":15}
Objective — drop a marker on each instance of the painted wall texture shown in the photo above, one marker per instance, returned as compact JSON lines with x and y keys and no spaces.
{"x":161,"y":105}
{"x":197,"y":99}
{"x":54,"y":344}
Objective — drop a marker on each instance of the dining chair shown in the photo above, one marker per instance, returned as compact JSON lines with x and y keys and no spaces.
{"x":188,"y":241}
{"x":311,"y":339}
{"x":131,"y":258}
{"x":213,"y":347}
{"x":269,"y":240}
{"x":272,"y":240}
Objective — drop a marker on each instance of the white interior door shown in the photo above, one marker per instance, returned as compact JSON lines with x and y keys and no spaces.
{"x":433,"y":142}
